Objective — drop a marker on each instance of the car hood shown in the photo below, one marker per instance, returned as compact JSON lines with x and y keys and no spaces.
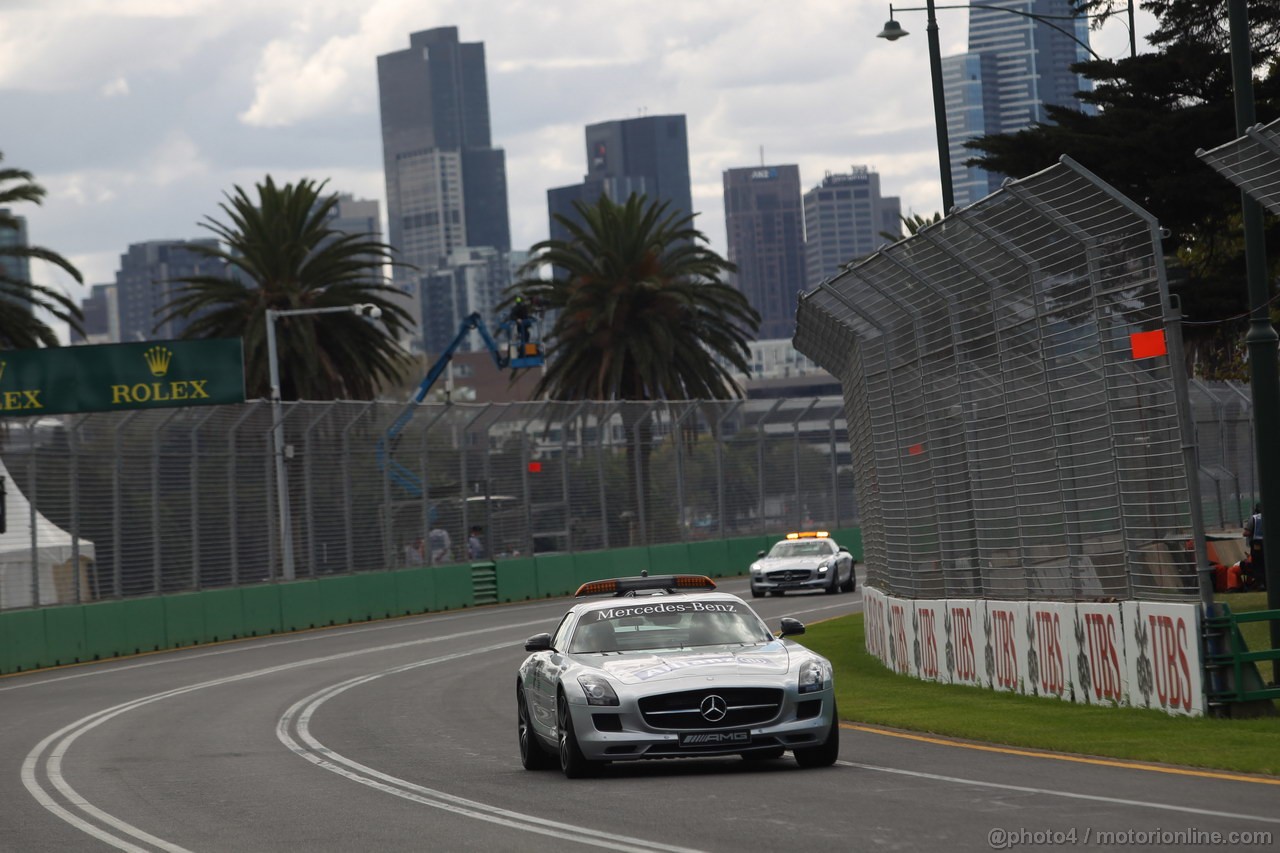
{"x":766,"y":659}
{"x":773,"y":565}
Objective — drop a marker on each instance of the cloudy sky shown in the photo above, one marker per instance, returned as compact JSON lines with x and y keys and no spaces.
{"x":137,"y":115}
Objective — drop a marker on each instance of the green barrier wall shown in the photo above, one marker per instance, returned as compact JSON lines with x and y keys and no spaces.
{"x":52,"y":636}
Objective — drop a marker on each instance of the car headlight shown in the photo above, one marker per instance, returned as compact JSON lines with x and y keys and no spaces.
{"x":755,"y":569}
{"x":822,"y":567}
{"x":598,"y":690}
{"x":814,"y":676}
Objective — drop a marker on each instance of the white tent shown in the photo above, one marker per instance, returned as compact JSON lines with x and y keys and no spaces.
{"x":55,"y":554}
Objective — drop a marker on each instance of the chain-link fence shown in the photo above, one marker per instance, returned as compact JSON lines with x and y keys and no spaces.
{"x":173,"y":500}
{"x":121,"y":504}
{"x":1013,"y":408}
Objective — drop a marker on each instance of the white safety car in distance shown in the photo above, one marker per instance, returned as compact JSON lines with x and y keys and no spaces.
{"x":808,"y":560}
{"x":666,"y":667}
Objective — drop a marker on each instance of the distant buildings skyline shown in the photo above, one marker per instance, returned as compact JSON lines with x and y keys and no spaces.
{"x":446,"y":183}
{"x":647,"y":156}
{"x":1014,"y":68}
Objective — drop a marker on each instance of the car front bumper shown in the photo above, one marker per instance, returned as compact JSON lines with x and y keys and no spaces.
{"x":620,"y":733}
{"x":763,"y":583}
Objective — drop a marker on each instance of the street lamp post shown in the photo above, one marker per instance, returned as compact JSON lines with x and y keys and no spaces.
{"x":373,"y":312}
{"x":893,"y":31}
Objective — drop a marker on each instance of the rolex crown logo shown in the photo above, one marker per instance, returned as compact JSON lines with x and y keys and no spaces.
{"x":158,"y":358}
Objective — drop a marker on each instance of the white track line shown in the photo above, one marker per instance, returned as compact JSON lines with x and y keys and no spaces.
{"x":67,"y":735}
{"x":299,"y":716}
{"x":1068,"y":794}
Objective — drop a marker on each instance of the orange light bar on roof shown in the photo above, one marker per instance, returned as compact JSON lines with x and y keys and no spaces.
{"x":809,"y":534}
{"x":622,"y":586}
{"x":598,"y":588}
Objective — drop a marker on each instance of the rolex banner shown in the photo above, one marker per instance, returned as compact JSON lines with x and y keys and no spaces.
{"x":103,"y":378}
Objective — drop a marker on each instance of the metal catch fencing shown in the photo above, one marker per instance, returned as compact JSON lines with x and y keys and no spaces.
{"x":166,"y":501}
{"x":1012,"y":409}
{"x":122,"y":504}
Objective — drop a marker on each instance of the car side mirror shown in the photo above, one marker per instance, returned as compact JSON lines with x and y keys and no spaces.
{"x":760,"y":553}
{"x":791,"y":627}
{"x":542,"y":642}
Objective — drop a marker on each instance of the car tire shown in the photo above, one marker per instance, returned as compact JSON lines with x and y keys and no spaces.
{"x":853,"y":578}
{"x":764,"y":754}
{"x":835,"y":583}
{"x":825,"y":754}
{"x":756,"y":593}
{"x":532,"y":754}
{"x":573,"y":764}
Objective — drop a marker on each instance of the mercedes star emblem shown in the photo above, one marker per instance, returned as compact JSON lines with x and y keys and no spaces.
{"x":713,"y":708}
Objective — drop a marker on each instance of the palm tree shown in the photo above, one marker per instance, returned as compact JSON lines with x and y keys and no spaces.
{"x":20,"y":328}
{"x":281,"y":254}
{"x":640,"y":313}
{"x":913,"y":223}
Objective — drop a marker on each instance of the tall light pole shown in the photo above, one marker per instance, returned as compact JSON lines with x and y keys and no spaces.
{"x":893,"y":31}
{"x":373,"y":312}
{"x":1262,"y":341}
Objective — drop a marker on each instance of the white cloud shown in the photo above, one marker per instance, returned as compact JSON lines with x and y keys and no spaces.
{"x":115,"y":88}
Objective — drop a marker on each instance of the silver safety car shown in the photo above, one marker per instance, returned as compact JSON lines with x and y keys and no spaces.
{"x":665,"y":667}
{"x":804,"y":560}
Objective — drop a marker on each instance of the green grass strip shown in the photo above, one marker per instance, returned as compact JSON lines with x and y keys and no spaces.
{"x":868,"y":692}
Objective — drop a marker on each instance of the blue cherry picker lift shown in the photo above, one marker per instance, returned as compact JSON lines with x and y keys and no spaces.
{"x":514,"y":344}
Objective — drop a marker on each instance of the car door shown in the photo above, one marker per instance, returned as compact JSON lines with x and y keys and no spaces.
{"x":546,"y":677}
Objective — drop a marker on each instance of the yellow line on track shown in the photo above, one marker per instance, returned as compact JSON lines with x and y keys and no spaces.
{"x":1062,"y":756}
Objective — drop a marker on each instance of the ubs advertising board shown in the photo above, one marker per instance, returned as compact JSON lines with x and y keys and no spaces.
{"x":107,"y":377}
{"x":1135,"y":653}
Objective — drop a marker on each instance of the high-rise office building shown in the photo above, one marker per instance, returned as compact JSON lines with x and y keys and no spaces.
{"x":101,"y":317}
{"x":147,"y":282}
{"x":446,"y":183}
{"x":14,"y":268}
{"x":469,"y":280}
{"x":1015,"y":67}
{"x":845,"y":218}
{"x":764,"y":223}
{"x":648,"y":156}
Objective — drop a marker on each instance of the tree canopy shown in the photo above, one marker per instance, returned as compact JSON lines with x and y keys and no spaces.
{"x":282,"y":254}
{"x":1155,"y":111}
{"x":20,"y":298}
{"x":640,"y":310}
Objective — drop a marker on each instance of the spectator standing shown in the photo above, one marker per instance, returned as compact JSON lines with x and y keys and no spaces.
{"x":441,"y":545}
{"x":1253,"y":540}
{"x":415,"y":553}
{"x":475,"y":545}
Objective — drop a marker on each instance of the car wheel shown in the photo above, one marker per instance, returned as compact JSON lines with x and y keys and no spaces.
{"x":756,"y":593}
{"x":532,"y":755}
{"x":764,"y":754}
{"x":825,"y":754}
{"x":573,"y":763}
{"x":835,"y":583}
{"x":853,"y":578}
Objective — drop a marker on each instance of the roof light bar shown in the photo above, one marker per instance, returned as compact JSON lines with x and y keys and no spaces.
{"x":809,"y":534}
{"x":623,"y":586}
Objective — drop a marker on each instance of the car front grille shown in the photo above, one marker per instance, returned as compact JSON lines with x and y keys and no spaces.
{"x":785,"y":575}
{"x":744,"y":706}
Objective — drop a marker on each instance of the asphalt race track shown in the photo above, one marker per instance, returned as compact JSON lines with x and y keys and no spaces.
{"x":400,"y":735}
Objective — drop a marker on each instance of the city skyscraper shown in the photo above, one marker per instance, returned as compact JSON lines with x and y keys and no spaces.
{"x":446,"y":183}
{"x":647,"y":156}
{"x":101,"y":317}
{"x":147,"y":282}
{"x":1015,"y":67}
{"x":764,"y":224}
{"x":14,"y":268}
{"x":843,"y":220}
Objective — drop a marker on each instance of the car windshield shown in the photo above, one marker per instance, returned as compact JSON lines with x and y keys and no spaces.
{"x":667,"y":624}
{"x":802,"y":548}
